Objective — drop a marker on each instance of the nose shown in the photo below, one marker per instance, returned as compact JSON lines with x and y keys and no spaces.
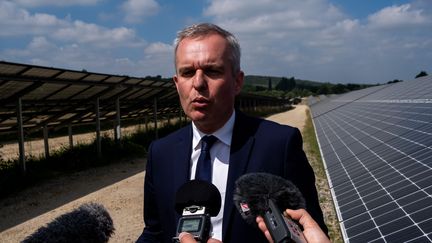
{"x":199,"y":81}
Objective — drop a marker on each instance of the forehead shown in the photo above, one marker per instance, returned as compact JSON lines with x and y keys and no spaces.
{"x":209,"y":45}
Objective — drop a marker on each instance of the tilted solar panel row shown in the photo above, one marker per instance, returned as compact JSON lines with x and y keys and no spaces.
{"x":56,"y":98}
{"x":377,"y":148}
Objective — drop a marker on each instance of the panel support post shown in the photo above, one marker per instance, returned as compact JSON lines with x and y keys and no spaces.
{"x":21,"y":161}
{"x":155,"y":118}
{"x":98,"y":136}
{"x":70,"y":136}
{"x":46,"y":142}
{"x":117,"y":129}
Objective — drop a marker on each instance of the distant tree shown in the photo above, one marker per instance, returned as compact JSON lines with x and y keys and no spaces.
{"x":421,"y":74}
{"x":394,"y":81}
{"x":338,"y":89}
{"x":282,"y":84}
{"x":248,"y":88}
{"x":270,"y":84}
{"x":324,"y":89}
{"x":259,"y":88}
{"x":351,"y":87}
{"x":296,"y":92}
{"x":286,"y":84}
{"x":157,"y":77}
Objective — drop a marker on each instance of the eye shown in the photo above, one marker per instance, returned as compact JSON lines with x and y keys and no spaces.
{"x":214,"y":72}
{"x":187,"y":73}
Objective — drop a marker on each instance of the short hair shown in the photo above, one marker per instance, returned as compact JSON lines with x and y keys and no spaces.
{"x":204,"y":29}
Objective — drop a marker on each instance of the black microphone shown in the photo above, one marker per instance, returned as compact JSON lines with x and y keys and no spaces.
{"x":267,"y":195}
{"x":197,"y":201}
{"x":90,"y":222}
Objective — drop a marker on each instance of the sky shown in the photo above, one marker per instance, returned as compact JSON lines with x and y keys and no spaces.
{"x":337,"y":41}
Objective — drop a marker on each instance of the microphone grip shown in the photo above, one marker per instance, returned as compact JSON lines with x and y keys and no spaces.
{"x":281,"y":228}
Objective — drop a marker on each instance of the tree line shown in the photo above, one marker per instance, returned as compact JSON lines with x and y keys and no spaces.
{"x":284,"y":87}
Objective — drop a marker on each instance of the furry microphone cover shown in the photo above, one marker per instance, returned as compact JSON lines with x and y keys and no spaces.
{"x":89,"y":223}
{"x":254,"y":189}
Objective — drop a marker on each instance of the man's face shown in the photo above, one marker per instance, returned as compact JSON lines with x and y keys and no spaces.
{"x":205,"y":81}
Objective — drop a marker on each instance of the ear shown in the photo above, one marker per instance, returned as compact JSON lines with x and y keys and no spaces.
{"x":175,"y":79}
{"x":239,"y":82}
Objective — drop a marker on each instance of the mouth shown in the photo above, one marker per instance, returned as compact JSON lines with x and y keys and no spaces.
{"x":200,"y":102}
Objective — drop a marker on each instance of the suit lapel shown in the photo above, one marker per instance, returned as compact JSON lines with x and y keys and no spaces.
{"x":182,"y":150}
{"x":241,"y":147}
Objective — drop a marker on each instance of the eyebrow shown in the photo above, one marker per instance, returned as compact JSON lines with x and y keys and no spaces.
{"x":205,"y":66}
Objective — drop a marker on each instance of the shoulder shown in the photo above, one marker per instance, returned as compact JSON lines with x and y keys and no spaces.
{"x":174,"y":137}
{"x":263,"y":126}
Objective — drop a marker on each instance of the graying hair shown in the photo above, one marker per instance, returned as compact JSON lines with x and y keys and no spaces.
{"x":204,"y":29}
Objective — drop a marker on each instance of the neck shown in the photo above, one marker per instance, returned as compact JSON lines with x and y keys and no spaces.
{"x":208,"y":128}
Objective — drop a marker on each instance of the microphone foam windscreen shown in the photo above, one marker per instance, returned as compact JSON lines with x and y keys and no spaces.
{"x":254,"y":189}
{"x":198,"y":193}
{"x":90,"y":222}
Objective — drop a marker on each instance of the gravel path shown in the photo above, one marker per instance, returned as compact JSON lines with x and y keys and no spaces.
{"x":119,"y":187}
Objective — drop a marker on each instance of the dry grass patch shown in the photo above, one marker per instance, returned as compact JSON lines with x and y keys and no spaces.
{"x":313,"y":153}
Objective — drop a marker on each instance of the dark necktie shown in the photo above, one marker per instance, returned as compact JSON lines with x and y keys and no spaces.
{"x":204,"y":165}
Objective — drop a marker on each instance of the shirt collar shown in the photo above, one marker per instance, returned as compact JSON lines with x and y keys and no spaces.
{"x":224,"y":134}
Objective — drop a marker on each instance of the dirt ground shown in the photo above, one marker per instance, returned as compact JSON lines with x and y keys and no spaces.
{"x":119,"y":187}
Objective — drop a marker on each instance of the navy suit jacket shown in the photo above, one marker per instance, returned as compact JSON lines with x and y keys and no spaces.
{"x":257,"y":146}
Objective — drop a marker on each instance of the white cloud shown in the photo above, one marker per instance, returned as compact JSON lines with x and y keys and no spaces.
{"x":244,"y":16}
{"x":96,"y":35}
{"x":136,"y":10}
{"x":37,"y":48}
{"x":40,"y":51}
{"x":159,"y":59}
{"x":18,"y":21}
{"x":316,"y":40}
{"x":398,"y":16}
{"x":310,"y":39}
{"x":159,"y":47}
{"x":40,"y":43}
{"x":278,"y":36}
{"x":38,"y":3}
{"x":77,"y":44}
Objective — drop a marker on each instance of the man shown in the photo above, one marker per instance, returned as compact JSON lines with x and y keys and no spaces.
{"x":208,"y":77}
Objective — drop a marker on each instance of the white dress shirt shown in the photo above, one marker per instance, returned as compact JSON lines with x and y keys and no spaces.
{"x":219,"y":154}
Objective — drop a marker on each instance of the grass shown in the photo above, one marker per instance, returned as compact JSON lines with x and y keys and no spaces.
{"x":80,"y":157}
{"x":313,"y":153}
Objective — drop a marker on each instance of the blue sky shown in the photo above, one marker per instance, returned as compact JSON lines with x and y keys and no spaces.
{"x":338,"y":41}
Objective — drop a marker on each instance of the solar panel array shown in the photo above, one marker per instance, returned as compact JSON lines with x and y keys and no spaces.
{"x":377,"y":147}
{"x":57,"y":98}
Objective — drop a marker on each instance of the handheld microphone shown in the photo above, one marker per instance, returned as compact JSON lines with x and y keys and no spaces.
{"x":197,"y":201}
{"x":267,"y":195}
{"x":90,"y":222}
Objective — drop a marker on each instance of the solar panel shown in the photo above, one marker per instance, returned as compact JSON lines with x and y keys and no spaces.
{"x":9,"y":88}
{"x":377,"y":147}
{"x":41,"y":72}
{"x":71,"y":75}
